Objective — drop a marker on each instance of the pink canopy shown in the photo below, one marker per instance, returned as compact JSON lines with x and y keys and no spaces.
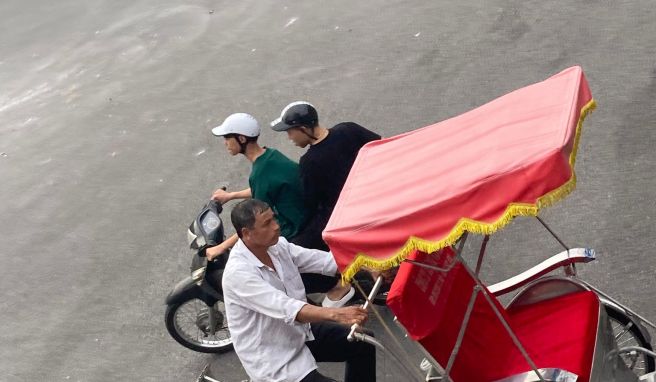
{"x":474,"y":172}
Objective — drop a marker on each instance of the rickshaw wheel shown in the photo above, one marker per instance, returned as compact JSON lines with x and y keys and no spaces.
{"x":627,"y":333}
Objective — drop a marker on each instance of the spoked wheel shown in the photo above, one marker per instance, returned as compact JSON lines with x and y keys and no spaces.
{"x":194,"y":326}
{"x":626,"y":333}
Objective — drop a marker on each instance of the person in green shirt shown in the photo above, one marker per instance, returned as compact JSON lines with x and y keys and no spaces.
{"x":274,"y":179}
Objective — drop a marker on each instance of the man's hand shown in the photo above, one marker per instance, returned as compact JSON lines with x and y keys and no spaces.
{"x":350,"y":315}
{"x":222,"y":196}
{"x":347,"y":315}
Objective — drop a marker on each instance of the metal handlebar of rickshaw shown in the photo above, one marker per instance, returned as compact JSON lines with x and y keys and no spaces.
{"x":514,"y":156}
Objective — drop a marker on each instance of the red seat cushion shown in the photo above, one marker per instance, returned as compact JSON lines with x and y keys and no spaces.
{"x":560,"y":332}
{"x":431,"y":305}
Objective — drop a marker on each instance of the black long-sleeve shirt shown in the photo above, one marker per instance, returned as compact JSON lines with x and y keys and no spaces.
{"x":325,"y":167}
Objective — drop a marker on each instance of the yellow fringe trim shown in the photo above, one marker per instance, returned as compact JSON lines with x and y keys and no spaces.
{"x":464,"y":224}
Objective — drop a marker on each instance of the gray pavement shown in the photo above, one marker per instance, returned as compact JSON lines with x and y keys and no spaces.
{"x":106,"y":155}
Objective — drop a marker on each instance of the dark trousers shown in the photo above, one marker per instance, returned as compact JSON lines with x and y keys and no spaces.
{"x":310,"y":239}
{"x":318,"y":283}
{"x":313,"y":282}
{"x":330,"y":345}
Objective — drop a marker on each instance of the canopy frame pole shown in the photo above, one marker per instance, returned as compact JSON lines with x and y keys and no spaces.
{"x":372,"y":294}
{"x":505,"y":323}
{"x":514,"y":338}
{"x":481,"y":254}
{"x":461,"y":243}
{"x":570,"y":270}
{"x":552,"y":233}
{"x":461,"y":333}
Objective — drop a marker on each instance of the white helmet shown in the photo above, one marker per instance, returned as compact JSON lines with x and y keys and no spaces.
{"x":238,"y":123}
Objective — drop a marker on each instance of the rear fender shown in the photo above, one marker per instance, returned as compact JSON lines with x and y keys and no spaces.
{"x":188,"y":289}
{"x":609,"y":304}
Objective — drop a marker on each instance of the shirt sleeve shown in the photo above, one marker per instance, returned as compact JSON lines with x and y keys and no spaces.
{"x":310,"y":260}
{"x":364,"y":135}
{"x":251,"y":291}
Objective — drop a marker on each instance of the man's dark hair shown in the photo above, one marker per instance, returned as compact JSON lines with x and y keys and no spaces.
{"x":244,"y":213}
{"x":236,"y":136}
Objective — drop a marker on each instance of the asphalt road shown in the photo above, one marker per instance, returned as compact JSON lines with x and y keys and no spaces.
{"x":106,"y":154}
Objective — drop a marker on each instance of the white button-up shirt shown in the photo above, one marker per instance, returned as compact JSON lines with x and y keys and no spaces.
{"x":261,"y":306}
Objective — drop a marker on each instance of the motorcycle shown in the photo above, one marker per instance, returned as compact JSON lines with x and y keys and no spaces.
{"x":195,"y":312}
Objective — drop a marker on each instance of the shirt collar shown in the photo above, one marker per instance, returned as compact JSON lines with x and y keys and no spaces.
{"x":265,"y":154}
{"x":242,"y":250}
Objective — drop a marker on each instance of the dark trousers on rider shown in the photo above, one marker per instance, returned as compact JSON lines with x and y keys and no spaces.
{"x":330,"y":345}
{"x":313,"y":282}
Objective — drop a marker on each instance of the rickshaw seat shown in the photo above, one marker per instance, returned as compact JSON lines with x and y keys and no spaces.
{"x":556,"y":333}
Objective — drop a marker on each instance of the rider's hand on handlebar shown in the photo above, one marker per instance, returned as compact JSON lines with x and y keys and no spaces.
{"x":213,"y":252}
{"x":222,"y":196}
{"x":350,"y":315}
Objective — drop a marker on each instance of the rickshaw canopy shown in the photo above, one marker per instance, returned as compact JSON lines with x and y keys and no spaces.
{"x":474,"y":172}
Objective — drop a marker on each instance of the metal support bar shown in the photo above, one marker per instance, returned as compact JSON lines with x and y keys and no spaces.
{"x":481,"y":254}
{"x":354,"y":335}
{"x":553,"y":233}
{"x":372,"y":294}
{"x":636,"y":348}
{"x":606,"y":296}
{"x":505,"y":324}
{"x":461,"y":244}
{"x":368,"y":339}
{"x":513,"y":337}
{"x":461,"y":333}
{"x":210,"y":379}
{"x":570,"y":270}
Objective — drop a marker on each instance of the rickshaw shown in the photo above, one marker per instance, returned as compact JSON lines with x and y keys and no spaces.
{"x":411,"y":201}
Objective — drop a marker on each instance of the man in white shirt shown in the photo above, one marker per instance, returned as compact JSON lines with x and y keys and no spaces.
{"x":268,"y":314}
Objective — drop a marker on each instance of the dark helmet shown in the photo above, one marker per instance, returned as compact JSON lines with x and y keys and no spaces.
{"x":296,"y":114}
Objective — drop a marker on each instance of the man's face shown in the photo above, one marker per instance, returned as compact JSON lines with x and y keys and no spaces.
{"x":265,"y":231}
{"x":232,"y":145}
{"x":298,"y":136}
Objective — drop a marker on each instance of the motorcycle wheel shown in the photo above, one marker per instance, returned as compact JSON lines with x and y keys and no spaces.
{"x":188,"y":323}
{"x":626,"y":333}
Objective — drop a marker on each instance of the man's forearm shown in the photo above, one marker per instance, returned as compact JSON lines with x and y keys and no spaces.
{"x":311,"y":313}
{"x":347,"y":315}
{"x":231,"y":241}
{"x":243,"y":194}
{"x":221,"y":248}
